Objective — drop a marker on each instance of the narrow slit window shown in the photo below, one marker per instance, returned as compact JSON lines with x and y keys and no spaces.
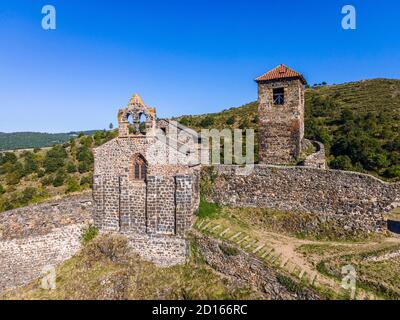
{"x":143,"y":172}
{"x":139,"y":169}
{"x":279,"y":96}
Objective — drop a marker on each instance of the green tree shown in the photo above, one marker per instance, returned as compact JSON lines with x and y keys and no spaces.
{"x":230,"y":121}
{"x":59,"y":179}
{"x":28,"y":195}
{"x":86,"y":181}
{"x":341,"y":163}
{"x":71,"y":168}
{"x":8,"y":157}
{"x":72,"y":185}
{"x":392,"y":172}
{"x":31,"y":163}
{"x":84,"y":154}
{"x":84,"y":167}
{"x":206,"y":122}
{"x":55,"y":159}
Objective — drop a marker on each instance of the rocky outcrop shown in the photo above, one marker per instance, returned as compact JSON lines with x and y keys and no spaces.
{"x":248,"y":269}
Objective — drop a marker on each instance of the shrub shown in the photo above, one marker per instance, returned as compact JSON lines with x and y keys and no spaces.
{"x":111,"y":247}
{"x":185,"y":121}
{"x":86,"y":141}
{"x":229,"y":250}
{"x":28,"y":195}
{"x":41,"y":173}
{"x":59,"y":179}
{"x":46,"y":181}
{"x":55,"y":159}
{"x":2,"y":190}
{"x":89,"y":234}
{"x":230,"y":121}
{"x":71,"y":168}
{"x":341,"y":163}
{"x":86,"y":180}
{"x":392,"y":172}
{"x":290,"y":284}
{"x":206,"y":122}
{"x":30,"y":164}
{"x":13,"y":178}
{"x":84,"y":167}
{"x":72,"y":185}
{"x":8,"y":157}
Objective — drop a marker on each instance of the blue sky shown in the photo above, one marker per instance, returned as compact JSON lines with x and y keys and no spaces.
{"x":182,"y":57}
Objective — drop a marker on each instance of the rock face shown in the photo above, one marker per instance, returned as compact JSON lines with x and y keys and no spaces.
{"x":37,"y":238}
{"x":355,"y":200}
{"x":249,"y":270}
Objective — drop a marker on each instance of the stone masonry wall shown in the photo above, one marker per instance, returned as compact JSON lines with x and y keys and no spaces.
{"x":164,"y":251}
{"x":356,"y":200}
{"x":37,"y":237}
{"x":281,"y":127}
{"x":23,"y":260}
{"x":317,"y":159}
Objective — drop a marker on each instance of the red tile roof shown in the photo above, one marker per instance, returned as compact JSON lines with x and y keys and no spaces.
{"x":281,"y":72}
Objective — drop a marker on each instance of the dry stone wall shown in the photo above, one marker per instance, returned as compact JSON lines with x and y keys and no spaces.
{"x":356,"y":200}
{"x":317,"y":159}
{"x":23,"y":260}
{"x":164,"y":251}
{"x":36,"y":238}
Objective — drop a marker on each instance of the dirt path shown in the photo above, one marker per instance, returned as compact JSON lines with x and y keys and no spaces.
{"x":287,"y":248}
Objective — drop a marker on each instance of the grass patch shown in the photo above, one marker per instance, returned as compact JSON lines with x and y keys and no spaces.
{"x":103,"y":270}
{"x":378,"y":277}
{"x":208,"y":209}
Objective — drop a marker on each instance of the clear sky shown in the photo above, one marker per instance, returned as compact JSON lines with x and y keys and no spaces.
{"x":182,"y":57}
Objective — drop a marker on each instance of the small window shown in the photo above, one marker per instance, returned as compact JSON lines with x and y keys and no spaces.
{"x":139,"y":169}
{"x":279,"y":96}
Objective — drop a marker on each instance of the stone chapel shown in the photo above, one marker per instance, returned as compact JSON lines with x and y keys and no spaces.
{"x":145,"y":184}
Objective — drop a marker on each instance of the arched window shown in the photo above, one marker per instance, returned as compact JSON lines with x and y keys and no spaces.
{"x":139,"y":168}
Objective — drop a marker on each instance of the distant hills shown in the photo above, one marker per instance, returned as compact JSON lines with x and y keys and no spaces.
{"x":28,"y":140}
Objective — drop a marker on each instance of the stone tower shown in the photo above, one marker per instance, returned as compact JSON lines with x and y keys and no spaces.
{"x":281,"y":115}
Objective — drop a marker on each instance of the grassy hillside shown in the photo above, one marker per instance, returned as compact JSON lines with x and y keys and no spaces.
{"x":105,"y":269}
{"x":359,"y":122}
{"x":25,"y":140}
{"x":30,"y":176}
